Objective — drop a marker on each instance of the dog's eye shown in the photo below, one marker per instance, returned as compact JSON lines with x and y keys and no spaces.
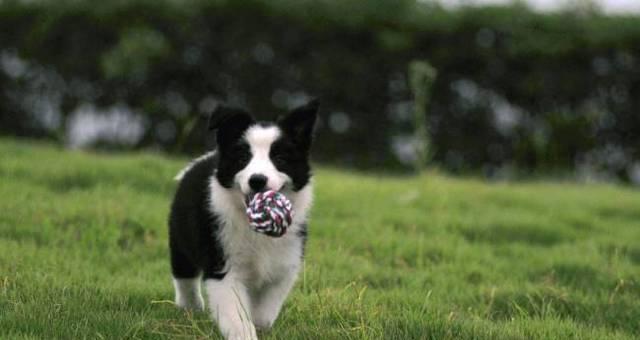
{"x":241,"y":153}
{"x":244,"y":156}
{"x":279,"y":159}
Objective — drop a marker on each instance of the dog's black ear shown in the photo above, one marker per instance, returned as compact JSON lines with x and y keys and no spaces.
{"x":300,"y":123}
{"x":229,"y":123}
{"x":224,"y":114}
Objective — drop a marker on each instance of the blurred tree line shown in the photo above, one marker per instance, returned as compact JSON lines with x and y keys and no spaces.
{"x":516,"y":90}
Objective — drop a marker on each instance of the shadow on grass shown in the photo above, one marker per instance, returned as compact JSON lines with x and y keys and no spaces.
{"x":625,"y":214}
{"x":133,"y":233}
{"x":577,"y":276}
{"x":521,"y":233}
{"x":613,"y":252}
{"x":80,"y":181}
{"x":142,"y":176}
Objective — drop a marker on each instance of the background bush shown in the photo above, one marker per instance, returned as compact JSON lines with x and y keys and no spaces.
{"x":515,"y":89}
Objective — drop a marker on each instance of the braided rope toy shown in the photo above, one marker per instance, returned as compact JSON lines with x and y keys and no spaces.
{"x":270,"y":213}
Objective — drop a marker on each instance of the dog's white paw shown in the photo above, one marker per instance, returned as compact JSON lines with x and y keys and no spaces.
{"x":247,"y":333}
{"x":196,"y":304}
{"x":264,"y":323}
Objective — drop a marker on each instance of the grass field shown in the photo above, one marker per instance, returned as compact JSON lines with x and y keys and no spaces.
{"x":83,"y":254}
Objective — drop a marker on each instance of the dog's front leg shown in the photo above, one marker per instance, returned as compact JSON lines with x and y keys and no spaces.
{"x":231,"y":308}
{"x":269,"y":301}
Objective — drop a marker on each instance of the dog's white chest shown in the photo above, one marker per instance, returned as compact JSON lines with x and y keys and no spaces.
{"x":259,"y":259}
{"x":255,"y":258}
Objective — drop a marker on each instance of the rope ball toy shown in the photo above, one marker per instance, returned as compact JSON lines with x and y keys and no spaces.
{"x":270,"y":213}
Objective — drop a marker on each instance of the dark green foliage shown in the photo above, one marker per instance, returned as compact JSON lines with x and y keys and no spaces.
{"x":564,"y":85}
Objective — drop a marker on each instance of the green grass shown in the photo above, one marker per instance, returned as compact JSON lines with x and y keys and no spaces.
{"x":83,"y":254}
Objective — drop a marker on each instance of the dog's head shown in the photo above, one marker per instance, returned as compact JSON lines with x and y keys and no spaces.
{"x":258,"y":156}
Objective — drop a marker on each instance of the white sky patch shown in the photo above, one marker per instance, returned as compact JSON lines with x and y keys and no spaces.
{"x":608,"y":6}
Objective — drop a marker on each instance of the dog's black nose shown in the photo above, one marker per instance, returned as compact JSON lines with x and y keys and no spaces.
{"x":258,"y":182}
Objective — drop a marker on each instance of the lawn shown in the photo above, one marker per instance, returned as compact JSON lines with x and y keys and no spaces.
{"x":83,"y":254}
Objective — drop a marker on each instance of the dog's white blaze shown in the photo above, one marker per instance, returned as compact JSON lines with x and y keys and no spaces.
{"x":260,"y":139}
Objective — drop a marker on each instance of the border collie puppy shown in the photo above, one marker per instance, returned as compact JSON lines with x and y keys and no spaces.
{"x":246,"y":275}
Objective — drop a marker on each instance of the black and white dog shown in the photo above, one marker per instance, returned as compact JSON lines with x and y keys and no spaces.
{"x":247,"y":275}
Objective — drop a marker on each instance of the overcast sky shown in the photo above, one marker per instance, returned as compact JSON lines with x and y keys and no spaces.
{"x":609,"y":6}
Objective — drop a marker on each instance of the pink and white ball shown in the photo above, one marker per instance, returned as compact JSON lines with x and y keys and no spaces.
{"x":270,"y":213}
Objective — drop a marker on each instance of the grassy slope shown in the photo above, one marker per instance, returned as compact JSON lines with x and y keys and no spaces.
{"x":83,"y":255}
